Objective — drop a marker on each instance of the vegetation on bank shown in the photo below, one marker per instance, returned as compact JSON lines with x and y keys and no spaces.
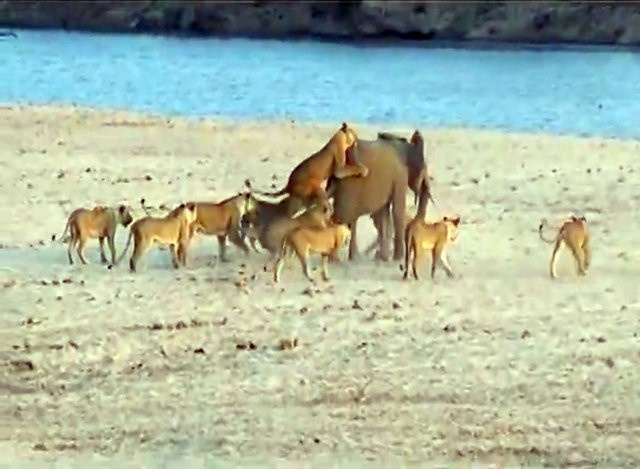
{"x":534,"y":22}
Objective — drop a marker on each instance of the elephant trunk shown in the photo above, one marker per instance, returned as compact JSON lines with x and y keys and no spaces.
{"x":423,"y":195}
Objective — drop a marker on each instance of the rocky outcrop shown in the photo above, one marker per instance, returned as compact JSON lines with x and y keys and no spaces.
{"x":533,"y":22}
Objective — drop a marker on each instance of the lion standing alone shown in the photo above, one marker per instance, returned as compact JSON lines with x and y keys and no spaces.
{"x":100,"y":222}
{"x":574,"y":235}
{"x":421,"y":236}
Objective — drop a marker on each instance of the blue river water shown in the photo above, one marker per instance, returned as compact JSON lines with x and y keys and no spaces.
{"x":583,"y":92}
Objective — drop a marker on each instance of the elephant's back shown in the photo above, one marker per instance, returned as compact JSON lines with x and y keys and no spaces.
{"x":384,"y":164}
{"x":356,"y":196}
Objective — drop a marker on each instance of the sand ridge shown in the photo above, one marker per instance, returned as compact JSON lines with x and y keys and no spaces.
{"x":500,"y":364}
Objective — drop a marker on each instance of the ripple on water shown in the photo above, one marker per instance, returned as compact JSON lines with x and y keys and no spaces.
{"x":582,"y":91}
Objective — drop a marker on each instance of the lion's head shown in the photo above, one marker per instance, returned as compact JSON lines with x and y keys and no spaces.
{"x":186,"y":211}
{"x":452,"y":227}
{"x":124,"y":215}
{"x":350,"y":135}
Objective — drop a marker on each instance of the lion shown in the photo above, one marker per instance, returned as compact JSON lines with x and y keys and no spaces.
{"x":573,"y":234}
{"x":420,"y":236}
{"x":305,"y":183}
{"x":222,"y":219}
{"x":270,"y":223}
{"x":99,"y":222}
{"x":304,"y":241}
{"x":172,"y":230}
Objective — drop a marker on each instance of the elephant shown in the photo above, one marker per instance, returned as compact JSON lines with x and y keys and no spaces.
{"x":395,"y":165}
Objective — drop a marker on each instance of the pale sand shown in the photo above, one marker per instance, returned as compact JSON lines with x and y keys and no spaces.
{"x":499,"y":364}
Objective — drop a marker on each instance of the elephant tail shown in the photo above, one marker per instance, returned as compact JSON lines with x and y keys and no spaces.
{"x":408,"y":248}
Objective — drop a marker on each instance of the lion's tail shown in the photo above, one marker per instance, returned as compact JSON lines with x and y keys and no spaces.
{"x":124,"y":251}
{"x":282,"y":191}
{"x":144,"y":207}
{"x":540,"y":229}
{"x":271,"y":194}
{"x":66,"y":228}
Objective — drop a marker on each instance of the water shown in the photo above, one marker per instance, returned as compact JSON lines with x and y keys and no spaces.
{"x":585,"y":92}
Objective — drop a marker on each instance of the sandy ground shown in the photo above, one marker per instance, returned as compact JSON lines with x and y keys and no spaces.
{"x":501,"y":365}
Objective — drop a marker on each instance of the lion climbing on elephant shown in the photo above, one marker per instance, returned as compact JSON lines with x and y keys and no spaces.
{"x":395,"y":164}
{"x":305,"y":183}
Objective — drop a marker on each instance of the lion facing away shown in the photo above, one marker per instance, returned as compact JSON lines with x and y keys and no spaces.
{"x":573,"y":234}
{"x":305,"y":183}
{"x":421,"y":236}
{"x":305,"y":241}
{"x":172,"y":230}
{"x":99,"y":222}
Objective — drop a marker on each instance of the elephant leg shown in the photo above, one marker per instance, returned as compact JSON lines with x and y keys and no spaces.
{"x":377,"y":223}
{"x":399,"y":214}
{"x":353,"y":243}
{"x":383,"y":225}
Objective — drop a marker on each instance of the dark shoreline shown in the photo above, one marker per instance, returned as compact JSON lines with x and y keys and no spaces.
{"x":356,"y":42}
{"x":429,"y":24}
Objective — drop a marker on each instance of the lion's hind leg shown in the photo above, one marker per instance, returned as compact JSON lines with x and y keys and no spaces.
{"x":174,"y":255}
{"x":103,"y":256}
{"x":322,"y":199}
{"x":579,"y":257}
{"x":181,"y":251}
{"x":586,"y":249}
{"x":112,"y":247}
{"x":408,"y":245}
{"x":418,"y":255}
{"x":82,"y":241}
{"x":140,"y":248}
{"x":303,"y":257}
{"x":73,"y":239}
{"x":222,"y":247}
{"x":554,"y":257}
{"x":325,"y":267}
{"x":279,"y":263}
